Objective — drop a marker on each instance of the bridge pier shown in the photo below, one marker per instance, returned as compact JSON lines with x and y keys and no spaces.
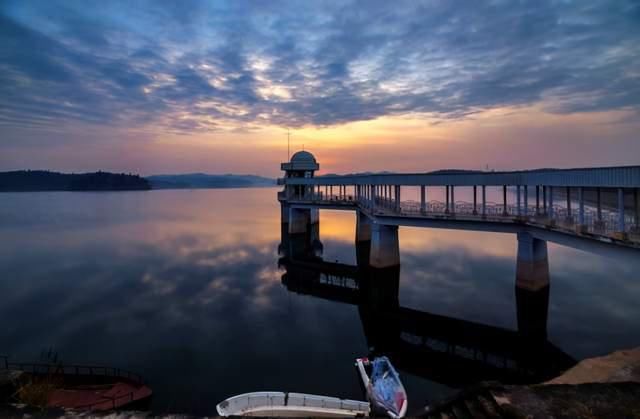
{"x":385,"y":246}
{"x":301,"y":219}
{"x":532,"y":266}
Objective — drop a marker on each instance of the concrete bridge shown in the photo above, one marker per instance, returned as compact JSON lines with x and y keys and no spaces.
{"x":593,"y":209}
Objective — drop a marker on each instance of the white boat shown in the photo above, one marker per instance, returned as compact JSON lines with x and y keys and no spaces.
{"x":279,"y":404}
{"x":384,"y":388}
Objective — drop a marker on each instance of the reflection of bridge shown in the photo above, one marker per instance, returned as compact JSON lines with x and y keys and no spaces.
{"x":380,"y":209}
{"x":447,"y":350}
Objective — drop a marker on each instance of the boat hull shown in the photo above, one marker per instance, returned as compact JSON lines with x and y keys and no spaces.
{"x":375,"y":397}
{"x":280,"y":404}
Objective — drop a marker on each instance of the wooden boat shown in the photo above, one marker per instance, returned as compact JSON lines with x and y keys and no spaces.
{"x":383,"y":386}
{"x":280,"y":404}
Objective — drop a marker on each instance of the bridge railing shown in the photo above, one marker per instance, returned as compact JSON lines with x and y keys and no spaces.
{"x":605,"y":224}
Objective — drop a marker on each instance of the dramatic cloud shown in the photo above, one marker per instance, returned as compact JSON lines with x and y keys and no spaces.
{"x":204,"y":66}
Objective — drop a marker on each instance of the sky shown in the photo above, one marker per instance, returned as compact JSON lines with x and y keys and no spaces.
{"x":159,"y":86}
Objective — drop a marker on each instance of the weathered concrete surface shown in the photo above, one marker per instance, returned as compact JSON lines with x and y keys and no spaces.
{"x":532,"y":265}
{"x":620,"y":366}
{"x":603,"y":387}
{"x":564,"y":401}
{"x":363,"y":227}
{"x":385,"y":247}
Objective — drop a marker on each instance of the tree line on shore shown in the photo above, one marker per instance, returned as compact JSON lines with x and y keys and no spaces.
{"x":41,"y":180}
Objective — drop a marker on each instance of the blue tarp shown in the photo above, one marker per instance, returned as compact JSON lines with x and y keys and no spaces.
{"x":384,"y":383}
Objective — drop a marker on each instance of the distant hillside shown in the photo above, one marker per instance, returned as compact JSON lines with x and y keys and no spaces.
{"x":202,"y":180}
{"x":40,"y":180}
{"x":435,"y":172}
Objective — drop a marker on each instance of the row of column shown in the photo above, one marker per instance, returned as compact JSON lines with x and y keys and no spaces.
{"x":389,"y":196}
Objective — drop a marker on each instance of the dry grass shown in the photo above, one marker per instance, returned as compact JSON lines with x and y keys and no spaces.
{"x":36,"y":392}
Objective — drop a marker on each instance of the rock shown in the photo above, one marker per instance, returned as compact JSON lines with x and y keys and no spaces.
{"x":620,"y":366}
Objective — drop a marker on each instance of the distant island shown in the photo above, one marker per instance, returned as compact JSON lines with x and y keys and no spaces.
{"x":41,"y":180}
{"x":202,"y":181}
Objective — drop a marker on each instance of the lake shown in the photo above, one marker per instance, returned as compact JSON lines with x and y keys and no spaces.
{"x":184,"y":287}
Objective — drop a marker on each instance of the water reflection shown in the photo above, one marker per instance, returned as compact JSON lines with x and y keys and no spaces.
{"x":450,"y":351}
{"x":184,"y":288}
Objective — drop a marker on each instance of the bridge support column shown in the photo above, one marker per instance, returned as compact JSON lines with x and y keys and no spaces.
{"x":636,"y":211}
{"x":532,"y":266}
{"x":581,"y":227}
{"x":484,"y":201}
{"x":446,"y":192}
{"x":518,"y":206}
{"x":504,"y":200}
{"x":453,"y":201}
{"x":363,"y":239}
{"x":526,"y":201}
{"x":397,"y":193}
{"x":599,"y":224}
{"x":423,"y":199}
{"x":300,"y":219}
{"x":385,"y":246}
{"x":621,"y":232}
{"x":537,"y":200}
{"x":569,"y":219}
{"x":551,"y":221}
{"x":475,"y":200}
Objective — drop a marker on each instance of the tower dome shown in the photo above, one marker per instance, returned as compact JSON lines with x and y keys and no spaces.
{"x":303,"y":157}
{"x":301,"y":161}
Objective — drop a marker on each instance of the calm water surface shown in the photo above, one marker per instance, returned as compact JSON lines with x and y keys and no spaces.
{"x":184,"y":287}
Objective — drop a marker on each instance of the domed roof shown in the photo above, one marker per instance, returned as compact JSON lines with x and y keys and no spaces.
{"x":303,"y":157}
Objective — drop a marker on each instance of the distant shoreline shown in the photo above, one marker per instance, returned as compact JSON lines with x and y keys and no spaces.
{"x":47,"y":181}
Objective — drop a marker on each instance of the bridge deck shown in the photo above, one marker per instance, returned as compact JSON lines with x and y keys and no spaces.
{"x":562,"y":228}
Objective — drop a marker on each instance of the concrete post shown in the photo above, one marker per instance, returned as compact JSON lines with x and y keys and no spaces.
{"x":621,"y":233}
{"x":484,"y":201}
{"x":385,"y":247}
{"x":453,"y":201}
{"x":423,"y":199}
{"x":363,"y":227}
{"x":568,"y":201}
{"x":636,"y":210}
{"x":504,"y":200}
{"x":526,"y":201}
{"x":446,"y":206}
{"x":599,"y":224}
{"x":532,"y":266}
{"x":537,"y":200}
{"x":581,"y":227}
{"x":397,"y":187}
{"x":519,"y":209}
{"x":551,"y":212}
{"x":374,"y":196}
{"x":544,"y":200}
{"x":475,"y":200}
